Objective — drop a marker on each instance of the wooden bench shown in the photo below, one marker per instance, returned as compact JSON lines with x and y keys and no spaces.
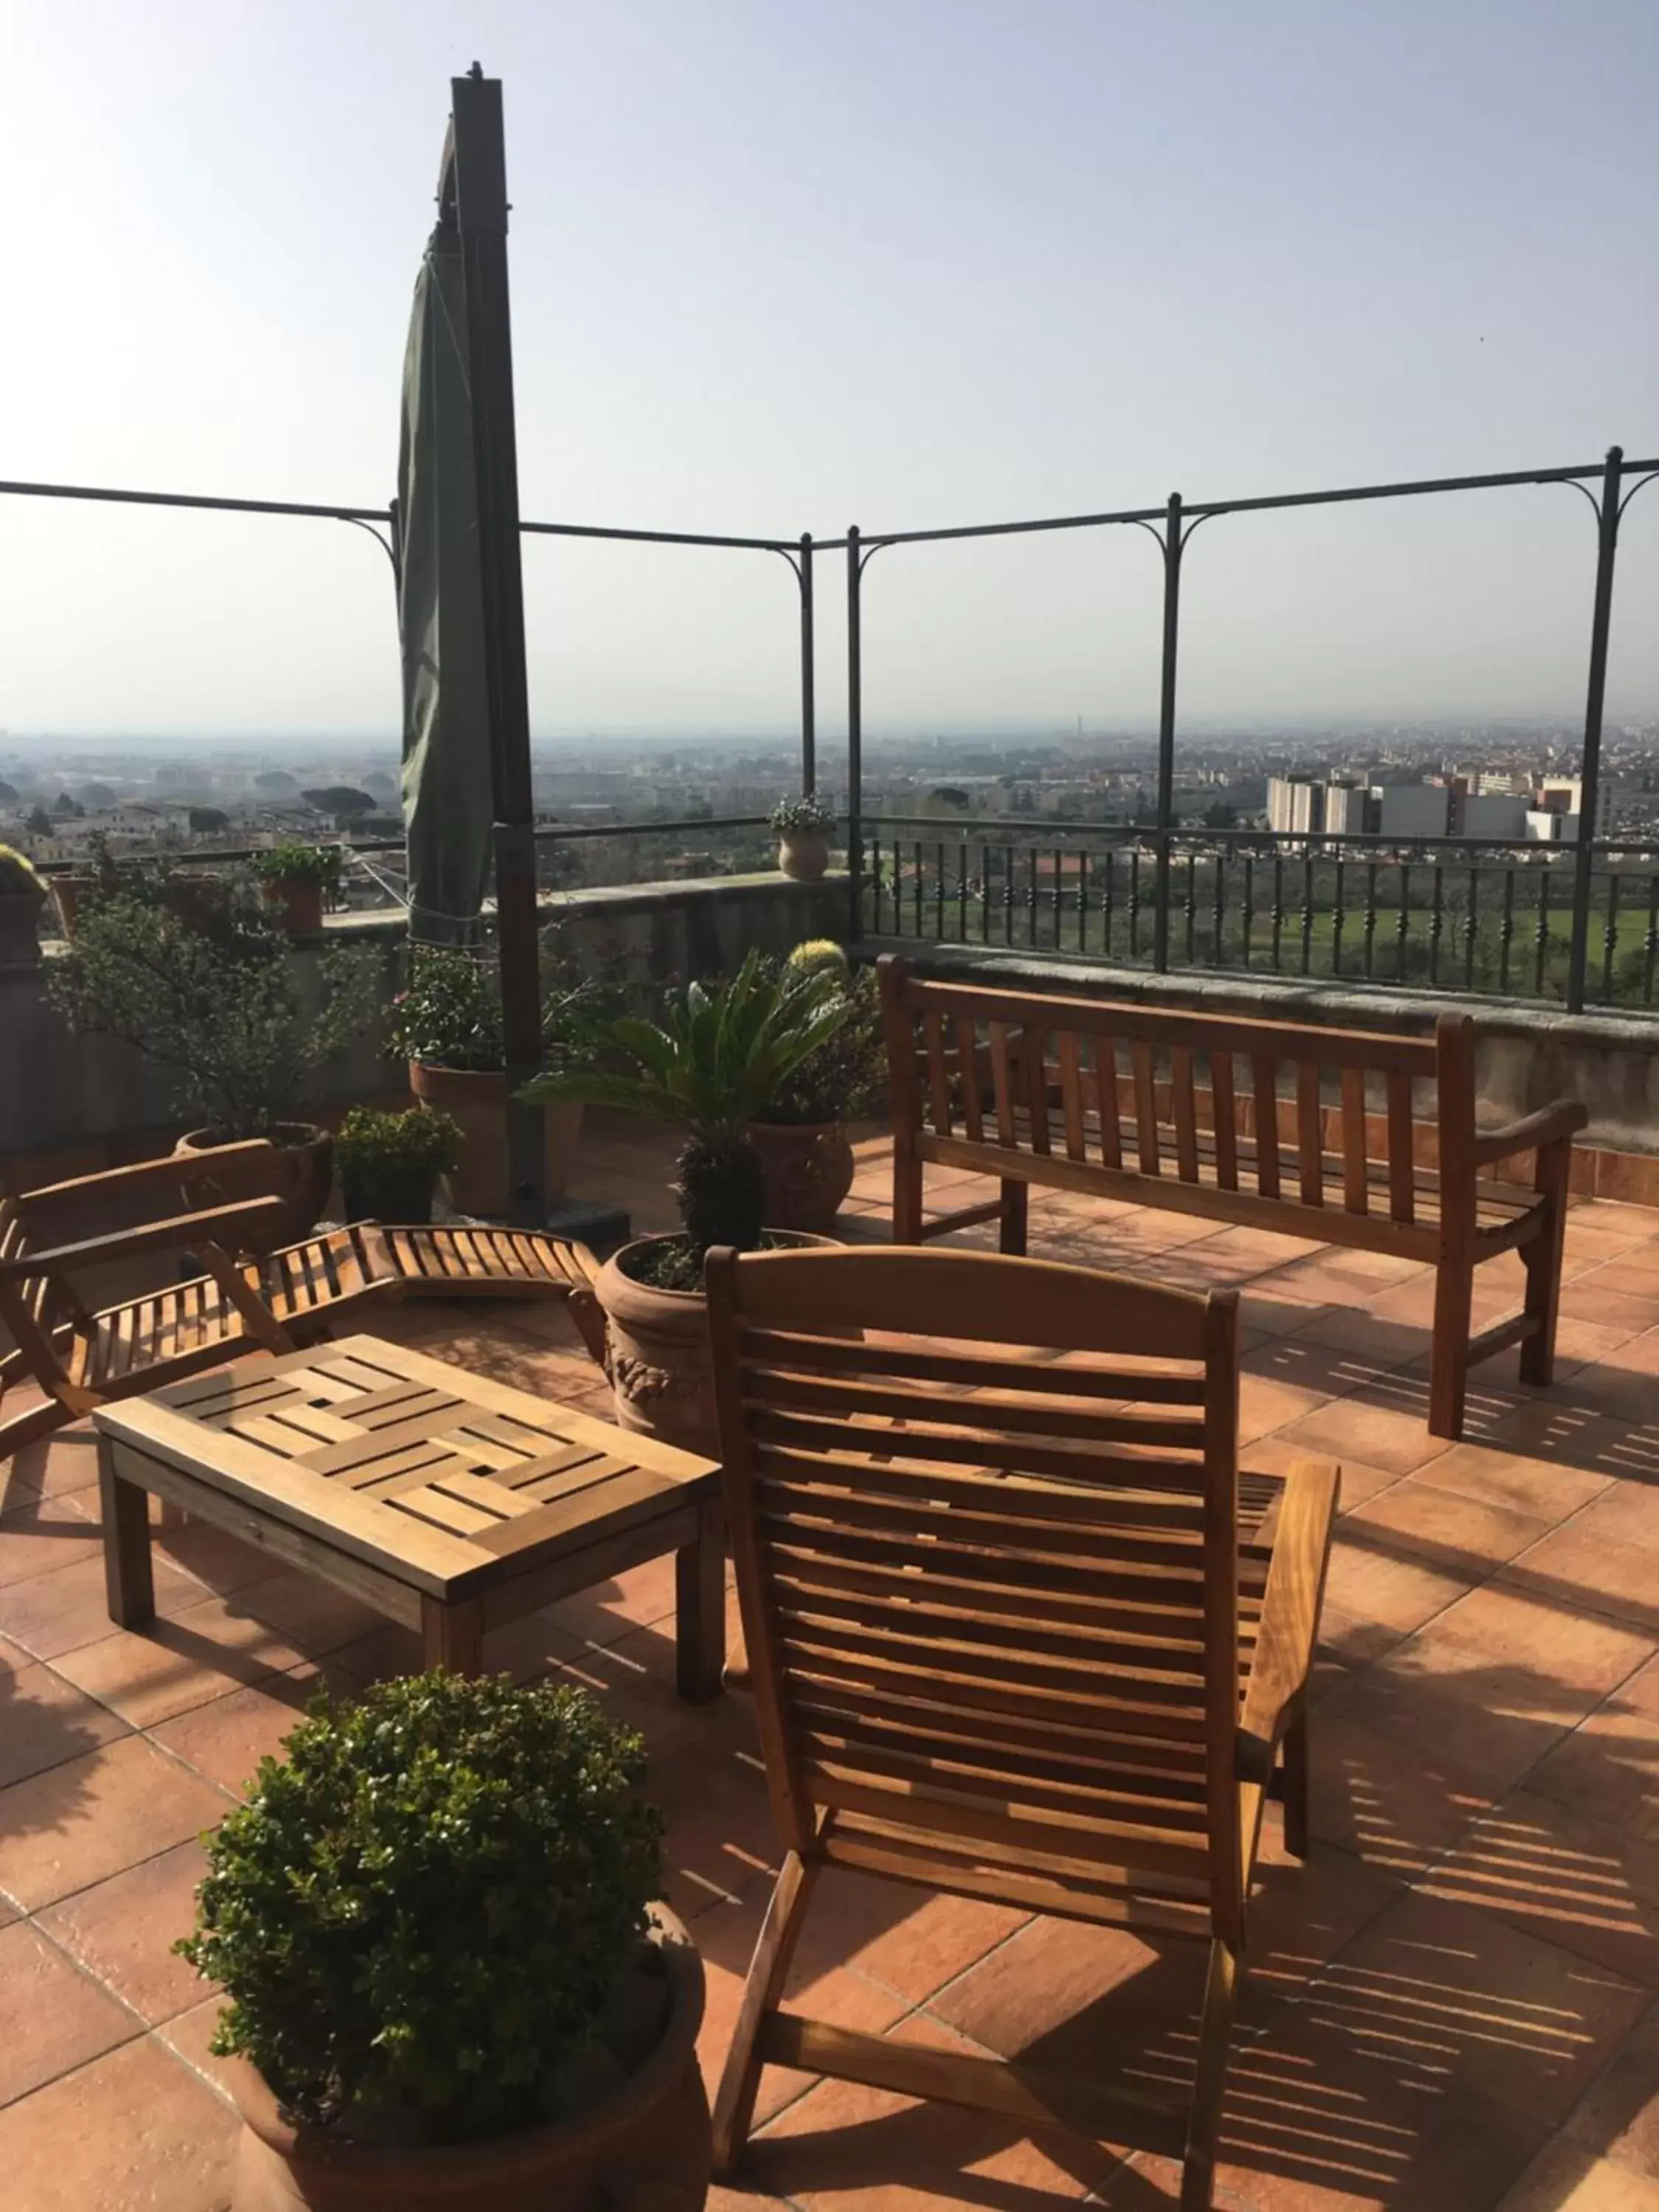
{"x":216,"y":1206}
{"x":1309,"y":1131}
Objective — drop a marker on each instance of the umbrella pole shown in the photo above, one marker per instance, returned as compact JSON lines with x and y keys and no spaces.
{"x":481,"y":213}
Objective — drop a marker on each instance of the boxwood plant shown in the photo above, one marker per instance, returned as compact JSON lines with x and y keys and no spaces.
{"x":422,"y":1911}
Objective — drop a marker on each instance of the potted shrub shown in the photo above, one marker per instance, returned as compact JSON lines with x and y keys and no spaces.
{"x":446,"y":1025}
{"x":448,"y":1983}
{"x":218,"y":1003}
{"x":800,"y":1131}
{"x":803,"y":826}
{"x":295,"y":879}
{"x":23,"y":894}
{"x":389,"y":1164}
{"x":709,"y":1068}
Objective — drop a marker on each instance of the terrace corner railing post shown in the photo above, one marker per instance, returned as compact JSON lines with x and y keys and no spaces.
{"x":809,"y":713}
{"x":855,"y":738}
{"x":1589,"y":770}
{"x":1166,"y":734}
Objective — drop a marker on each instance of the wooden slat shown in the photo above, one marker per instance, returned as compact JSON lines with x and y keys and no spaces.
{"x":939,"y":1081}
{"x":1310,"y":1151}
{"x":1033,"y":1060}
{"x":983,"y":1410}
{"x":1108,"y":1105}
{"x":1183,"y":1107}
{"x":968,"y":1065}
{"x":1356,"y":1182}
{"x":1140,"y":1055}
{"x":1226,"y":1132}
{"x":903,"y":1860}
{"x":1070,"y":1087}
{"x":1264,"y":1086}
{"x":1001,"y":1078}
{"x":1401,"y":1179}
{"x":807,"y":1355}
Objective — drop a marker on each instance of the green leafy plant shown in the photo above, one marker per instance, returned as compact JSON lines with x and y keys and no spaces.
{"x":420,"y":1914}
{"x":805,"y":816}
{"x":216,"y":996}
{"x":449,"y":1015}
{"x":846,"y":1076}
{"x":18,"y":874}
{"x":708,"y":1066}
{"x":295,"y":861}
{"x":398,"y":1147}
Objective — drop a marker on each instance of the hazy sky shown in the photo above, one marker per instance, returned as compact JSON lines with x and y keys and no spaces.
{"x":780,"y":266}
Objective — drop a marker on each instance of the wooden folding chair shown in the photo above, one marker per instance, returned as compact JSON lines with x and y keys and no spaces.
{"x":1018,"y":1630}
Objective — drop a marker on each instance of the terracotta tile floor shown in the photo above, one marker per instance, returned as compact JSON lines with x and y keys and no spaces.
{"x":1454,"y":2004}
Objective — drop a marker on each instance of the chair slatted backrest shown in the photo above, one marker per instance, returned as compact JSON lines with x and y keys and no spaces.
{"x":990,"y":1590}
{"x":1275,"y":1111}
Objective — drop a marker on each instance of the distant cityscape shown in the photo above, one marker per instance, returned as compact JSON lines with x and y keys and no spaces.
{"x":1509,"y":784}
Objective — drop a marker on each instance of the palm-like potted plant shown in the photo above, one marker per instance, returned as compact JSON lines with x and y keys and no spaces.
{"x":23,"y":894}
{"x":800,"y":1131}
{"x":709,"y":1068}
{"x":220,"y":1004}
{"x":803,"y":826}
{"x":295,"y":878}
{"x":448,"y":1983}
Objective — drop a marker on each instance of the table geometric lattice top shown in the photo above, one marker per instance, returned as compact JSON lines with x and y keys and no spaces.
{"x":407,"y":1459}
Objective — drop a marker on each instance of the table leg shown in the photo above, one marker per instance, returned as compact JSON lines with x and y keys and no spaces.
{"x":127,"y":1577}
{"x":700,"y":1606}
{"x":452,"y":1634}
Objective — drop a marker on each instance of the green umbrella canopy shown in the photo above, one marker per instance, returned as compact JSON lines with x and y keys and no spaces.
{"x":447,"y":796}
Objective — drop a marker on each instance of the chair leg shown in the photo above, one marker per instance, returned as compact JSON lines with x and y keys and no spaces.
{"x":907,"y":1197}
{"x":1542,"y":1262}
{"x":1294,"y":1782}
{"x":1015,"y":1213}
{"x":1214,"y":2036}
{"x":734,"y":2105}
{"x":1449,"y":1358}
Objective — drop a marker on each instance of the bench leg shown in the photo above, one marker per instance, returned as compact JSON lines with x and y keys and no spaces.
{"x":1016,"y":1199}
{"x":734,"y":2102}
{"x":1542,"y":1262}
{"x":1448,"y":1356}
{"x":700,"y":1608}
{"x":452,"y":1635}
{"x":907,"y":1196}
{"x":129,"y":1578}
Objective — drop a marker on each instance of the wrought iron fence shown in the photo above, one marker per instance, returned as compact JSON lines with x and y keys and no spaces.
{"x":1459,"y":914}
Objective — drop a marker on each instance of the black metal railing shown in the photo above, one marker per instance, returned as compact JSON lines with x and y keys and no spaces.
{"x":1457,"y":914}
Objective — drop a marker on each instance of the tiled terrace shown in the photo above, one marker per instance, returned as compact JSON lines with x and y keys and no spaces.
{"x":1454,"y":2004}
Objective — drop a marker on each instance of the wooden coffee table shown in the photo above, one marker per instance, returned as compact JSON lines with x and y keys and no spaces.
{"x":448,"y":1502}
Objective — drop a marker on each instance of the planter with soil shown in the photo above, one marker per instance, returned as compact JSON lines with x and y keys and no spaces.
{"x":306,"y":1165}
{"x":657,"y":1339}
{"x":643,"y":2141}
{"x":803,"y":854}
{"x":477,"y":1098}
{"x":296,"y":901}
{"x":807,"y":1168}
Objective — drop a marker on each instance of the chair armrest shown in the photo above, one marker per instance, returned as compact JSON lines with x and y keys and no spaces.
{"x":249,"y":1216}
{"x":1562,"y":1119}
{"x":1290,"y":1615}
{"x":172,"y":1167}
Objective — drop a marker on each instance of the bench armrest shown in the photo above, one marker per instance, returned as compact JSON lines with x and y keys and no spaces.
{"x":1290,"y":1615}
{"x":223,"y":1224}
{"x":1564,"y":1118}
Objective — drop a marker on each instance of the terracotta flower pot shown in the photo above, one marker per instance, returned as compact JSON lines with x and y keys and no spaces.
{"x":808,"y":1170}
{"x":644,"y":2147}
{"x":477,"y":1099}
{"x":305,"y":1167}
{"x":297,"y":901}
{"x":68,"y":894}
{"x":20,"y":928}
{"x":803,"y":854}
{"x":657,"y":1352}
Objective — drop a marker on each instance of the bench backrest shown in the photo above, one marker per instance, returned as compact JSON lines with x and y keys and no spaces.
{"x":1270,"y":1111}
{"x":990,"y":1595}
